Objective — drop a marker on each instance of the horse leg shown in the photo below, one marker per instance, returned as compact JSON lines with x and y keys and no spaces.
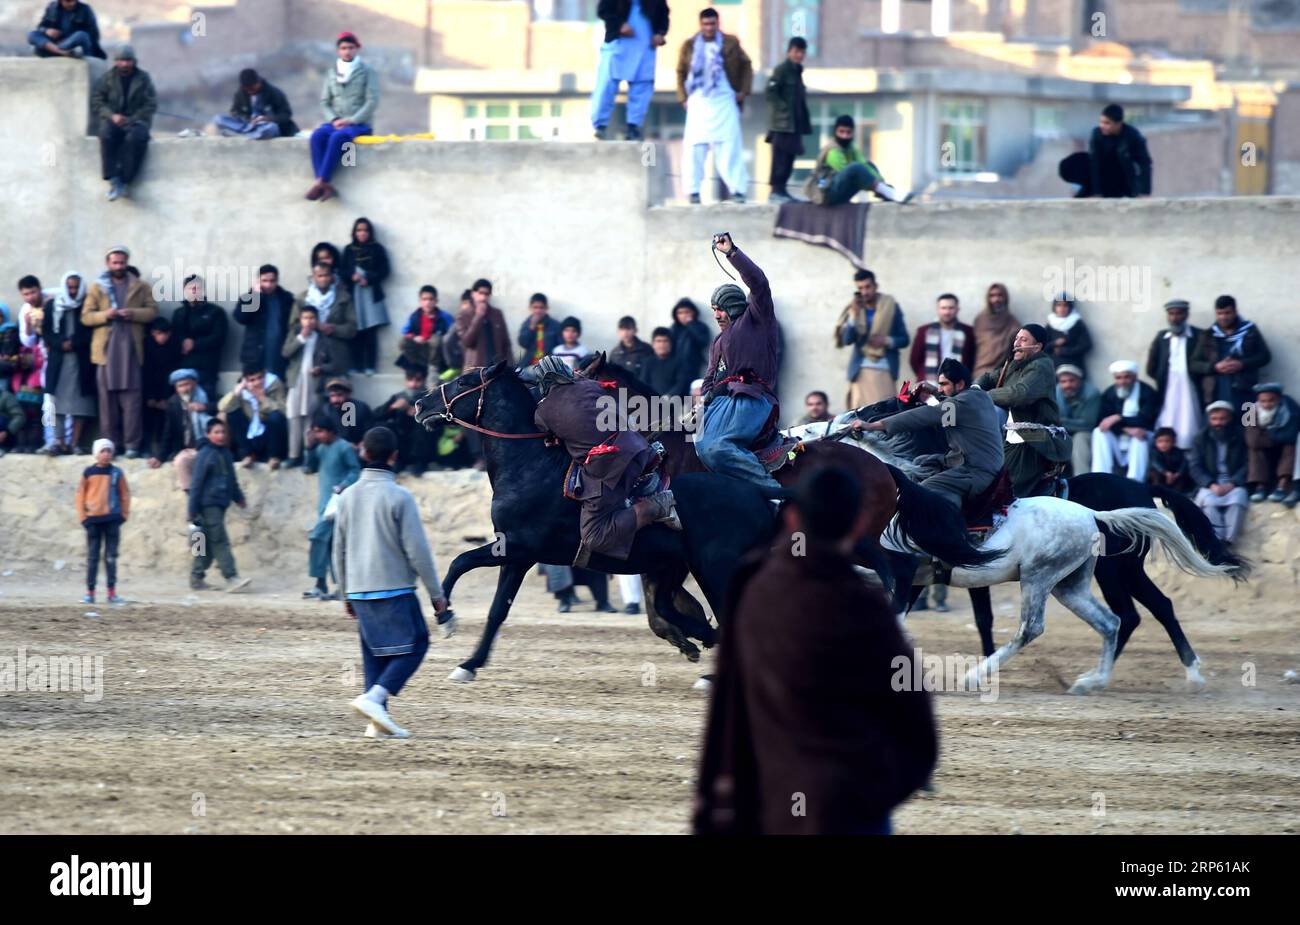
{"x":981,"y":601}
{"x":1033,"y":605}
{"x":1116,"y":575}
{"x":665,"y":627}
{"x":1075,"y":592}
{"x":508,"y":582}
{"x":899,"y":572}
{"x":1154,"y":600}
{"x":467,"y":561}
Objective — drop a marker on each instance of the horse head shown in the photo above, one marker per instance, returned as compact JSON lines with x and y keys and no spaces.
{"x":464,"y":398}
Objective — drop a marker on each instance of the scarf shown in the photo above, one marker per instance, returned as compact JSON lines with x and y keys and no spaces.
{"x":105,"y":281}
{"x":64,"y":303}
{"x":933,"y":354}
{"x":321,"y":301}
{"x":343,"y":70}
{"x":1062,"y":325}
{"x":198,"y":419}
{"x":255,"y":426}
{"x":1234,"y":340}
{"x":880,"y":322}
{"x":993,"y":335}
{"x":707,"y":73}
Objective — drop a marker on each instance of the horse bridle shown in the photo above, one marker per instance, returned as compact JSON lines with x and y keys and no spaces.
{"x":481,"y":388}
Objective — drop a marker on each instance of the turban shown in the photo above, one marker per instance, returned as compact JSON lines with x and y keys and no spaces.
{"x":1178,"y":303}
{"x":1069,"y":368}
{"x":1123,"y":366}
{"x":730,"y":298}
{"x":118,"y":249}
{"x":1219,"y":406}
{"x":1274,"y":387}
{"x":180,"y":374}
{"x":103,"y":443}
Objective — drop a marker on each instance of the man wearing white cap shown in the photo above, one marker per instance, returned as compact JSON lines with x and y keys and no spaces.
{"x":1128,"y":415}
{"x":1219,"y":466}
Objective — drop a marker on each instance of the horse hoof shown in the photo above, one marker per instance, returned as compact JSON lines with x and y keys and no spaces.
{"x":702,"y":684}
{"x":1195,"y":680}
{"x":461,"y":675}
{"x":1086,"y":685}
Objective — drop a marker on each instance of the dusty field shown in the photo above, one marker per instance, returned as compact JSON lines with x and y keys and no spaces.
{"x":236,"y":706}
{"x":586,"y":723}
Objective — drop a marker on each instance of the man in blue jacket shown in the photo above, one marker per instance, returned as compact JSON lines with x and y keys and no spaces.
{"x":873,"y":325}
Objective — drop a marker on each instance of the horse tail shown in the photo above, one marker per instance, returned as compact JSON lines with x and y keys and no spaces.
{"x":1146,"y":525}
{"x":933,"y":524}
{"x":1197,"y":528}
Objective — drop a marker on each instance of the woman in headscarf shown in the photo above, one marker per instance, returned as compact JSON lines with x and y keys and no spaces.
{"x":364,"y":269}
{"x":69,"y":374}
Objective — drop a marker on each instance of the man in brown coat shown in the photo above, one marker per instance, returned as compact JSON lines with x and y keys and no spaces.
{"x":118,"y":307}
{"x":714,"y":75}
{"x":481,"y":331}
{"x":808,"y":731}
{"x":335,"y":312}
{"x":611,"y":461}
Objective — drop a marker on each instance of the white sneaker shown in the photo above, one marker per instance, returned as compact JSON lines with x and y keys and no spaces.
{"x":236,"y":584}
{"x":376,"y":713}
{"x":374,"y":732}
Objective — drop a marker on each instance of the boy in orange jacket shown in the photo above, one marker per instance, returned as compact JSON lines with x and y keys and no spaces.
{"x":103,"y":504}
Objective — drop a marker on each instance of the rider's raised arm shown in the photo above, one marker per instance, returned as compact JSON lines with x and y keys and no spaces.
{"x":760,"y":293}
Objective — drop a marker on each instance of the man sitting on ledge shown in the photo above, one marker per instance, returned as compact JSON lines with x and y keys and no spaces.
{"x":67,"y":30}
{"x":124,"y":102}
{"x":349,"y":97}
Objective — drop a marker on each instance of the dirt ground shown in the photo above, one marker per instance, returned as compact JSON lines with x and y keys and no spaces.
{"x":228,"y":713}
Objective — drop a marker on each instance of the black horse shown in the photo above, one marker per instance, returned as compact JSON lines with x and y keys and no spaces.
{"x":722,"y":518}
{"x":1122,"y":577}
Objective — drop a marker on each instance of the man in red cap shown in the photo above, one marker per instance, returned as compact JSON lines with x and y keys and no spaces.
{"x":349,"y":98}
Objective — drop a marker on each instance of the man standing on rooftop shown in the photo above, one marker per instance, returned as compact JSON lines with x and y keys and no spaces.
{"x":633,"y":30}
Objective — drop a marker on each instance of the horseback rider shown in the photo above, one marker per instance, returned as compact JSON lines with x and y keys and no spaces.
{"x":611,"y":463}
{"x":971,"y":425}
{"x":1025,"y":385}
{"x":740,"y":403}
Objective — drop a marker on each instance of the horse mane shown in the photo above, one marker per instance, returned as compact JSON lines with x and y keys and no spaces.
{"x":625,"y":376}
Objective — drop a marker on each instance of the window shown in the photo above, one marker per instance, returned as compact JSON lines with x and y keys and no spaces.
{"x":961,"y":136}
{"x":510,"y":120}
{"x":1049,"y":123}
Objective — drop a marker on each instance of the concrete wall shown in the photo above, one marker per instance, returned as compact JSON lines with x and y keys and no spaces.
{"x":571,"y":220}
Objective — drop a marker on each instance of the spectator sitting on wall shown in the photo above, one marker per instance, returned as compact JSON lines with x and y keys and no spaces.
{"x":788,"y":119}
{"x":68,"y":29}
{"x":816,"y":406}
{"x":423,"y":333}
{"x":1170,"y":467}
{"x":539,"y":335}
{"x":1230,"y":354}
{"x":1080,"y":405}
{"x":259,"y":111}
{"x":124,"y":101}
{"x":349,"y":98}
{"x":264,"y":313}
{"x":1219,"y":465}
{"x":255,"y":412}
{"x":842,"y":171}
{"x":1128,"y":415}
{"x":162,"y":357}
{"x":1118,"y":157}
{"x":185,"y":423}
{"x":940,"y":339}
{"x":1069,"y":341}
{"x":1271,"y":440}
{"x":200,"y":327}
{"x":632,"y":352}
{"x":570,"y":348}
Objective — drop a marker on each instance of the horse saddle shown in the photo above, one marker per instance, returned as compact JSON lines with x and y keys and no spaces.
{"x":984,"y":511}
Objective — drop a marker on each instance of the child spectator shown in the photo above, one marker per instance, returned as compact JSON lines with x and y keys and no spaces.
{"x":310,"y":359}
{"x":162,"y":357}
{"x":539,"y":335}
{"x":337,"y":463}
{"x":423,"y":334}
{"x":416,"y":445}
{"x":213,"y":488}
{"x":103,"y":505}
{"x":570,"y":349}
{"x":632,"y":352}
{"x":20,"y":370}
{"x":1169,"y":465}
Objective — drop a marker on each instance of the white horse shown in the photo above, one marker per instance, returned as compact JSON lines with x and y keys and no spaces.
{"x":1051,"y":547}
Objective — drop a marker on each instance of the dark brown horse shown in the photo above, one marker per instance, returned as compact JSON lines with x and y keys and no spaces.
{"x":928,"y":520}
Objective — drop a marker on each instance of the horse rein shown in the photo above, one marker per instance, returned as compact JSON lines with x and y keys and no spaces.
{"x":481,"y":388}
